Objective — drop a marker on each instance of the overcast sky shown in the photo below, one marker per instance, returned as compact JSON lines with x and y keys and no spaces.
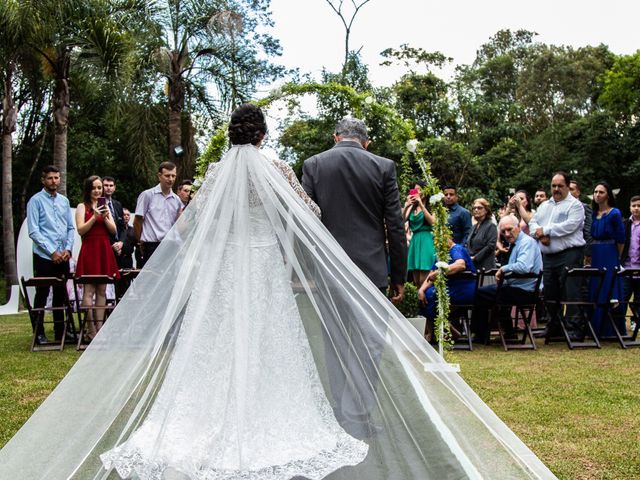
{"x":312,"y":35}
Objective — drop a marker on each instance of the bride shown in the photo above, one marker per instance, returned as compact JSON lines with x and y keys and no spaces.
{"x":249,"y":348}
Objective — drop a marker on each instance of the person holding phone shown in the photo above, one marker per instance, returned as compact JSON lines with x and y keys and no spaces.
{"x":95,"y":223}
{"x":422,"y":251}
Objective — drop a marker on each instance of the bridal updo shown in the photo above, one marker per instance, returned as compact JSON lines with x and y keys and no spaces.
{"x":247,"y":125}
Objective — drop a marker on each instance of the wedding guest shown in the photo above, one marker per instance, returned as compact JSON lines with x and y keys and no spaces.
{"x":157,"y":209}
{"x":574,"y":188}
{"x":520,"y":206}
{"x":184,"y":192}
{"x":459,"y":217}
{"x":481,"y":243}
{"x":557,"y":225}
{"x":630,"y":258}
{"x":525,"y":258}
{"x":95,"y":224}
{"x":422,"y":252}
{"x":460,"y":290}
{"x":115,"y":207}
{"x":539,"y":197}
{"x":50,"y":226}
{"x":607,"y":231}
{"x":125,"y":259}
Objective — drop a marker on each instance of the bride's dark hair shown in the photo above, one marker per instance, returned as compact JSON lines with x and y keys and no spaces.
{"x":247,"y":125}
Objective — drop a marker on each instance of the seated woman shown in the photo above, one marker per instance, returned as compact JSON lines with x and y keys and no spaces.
{"x":461,"y":291}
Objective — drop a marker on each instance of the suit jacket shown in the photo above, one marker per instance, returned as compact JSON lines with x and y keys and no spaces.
{"x":481,"y":244}
{"x":118,"y":218}
{"x":358,"y":195}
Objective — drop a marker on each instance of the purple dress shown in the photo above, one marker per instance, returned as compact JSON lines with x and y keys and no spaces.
{"x":607,"y":232}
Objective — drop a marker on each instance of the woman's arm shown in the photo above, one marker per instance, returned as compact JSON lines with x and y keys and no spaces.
{"x":82,"y":226}
{"x":109,"y":222}
{"x":290,"y":175}
{"x":430,"y":219}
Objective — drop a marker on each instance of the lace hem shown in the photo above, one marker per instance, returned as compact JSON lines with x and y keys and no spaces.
{"x":348,"y":451}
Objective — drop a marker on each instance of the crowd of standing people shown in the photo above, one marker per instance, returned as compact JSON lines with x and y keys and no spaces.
{"x":109,"y":239}
{"x":548,"y":235}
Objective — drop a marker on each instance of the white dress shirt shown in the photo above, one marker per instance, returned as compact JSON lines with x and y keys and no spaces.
{"x":562,"y":221}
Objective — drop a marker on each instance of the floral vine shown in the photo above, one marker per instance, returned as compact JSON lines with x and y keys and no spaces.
{"x":397,"y":131}
{"x":441,"y":234}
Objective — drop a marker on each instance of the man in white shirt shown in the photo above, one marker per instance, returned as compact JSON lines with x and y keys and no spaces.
{"x":157,"y":209}
{"x":557,"y":225}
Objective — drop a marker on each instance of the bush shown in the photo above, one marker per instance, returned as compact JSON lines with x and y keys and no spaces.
{"x":410,"y":303}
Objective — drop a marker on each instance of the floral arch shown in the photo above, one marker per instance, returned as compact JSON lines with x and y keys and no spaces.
{"x":383,"y":120}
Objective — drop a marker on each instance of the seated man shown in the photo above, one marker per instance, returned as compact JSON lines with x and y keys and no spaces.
{"x":460,"y":290}
{"x":525,"y":258}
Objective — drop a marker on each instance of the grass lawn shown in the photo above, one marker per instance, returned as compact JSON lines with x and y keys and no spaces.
{"x":577,"y":410}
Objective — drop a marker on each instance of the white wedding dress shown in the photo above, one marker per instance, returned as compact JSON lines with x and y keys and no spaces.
{"x":256,"y":412}
{"x":250,"y":347}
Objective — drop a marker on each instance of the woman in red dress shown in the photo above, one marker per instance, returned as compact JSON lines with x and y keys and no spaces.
{"x":94,"y":224}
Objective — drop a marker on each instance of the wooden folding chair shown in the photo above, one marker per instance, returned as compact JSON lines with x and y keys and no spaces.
{"x":461,"y":315}
{"x":83,"y":310}
{"x":581,"y":308}
{"x":626,"y":309}
{"x":523,"y":310}
{"x":38,"y":314}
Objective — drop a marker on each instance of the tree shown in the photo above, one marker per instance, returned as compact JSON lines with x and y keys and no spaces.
{"x":347,"y":22}
{"x":77,"y":34}
{"x":14,"y":28}
{"x":211,"y":42}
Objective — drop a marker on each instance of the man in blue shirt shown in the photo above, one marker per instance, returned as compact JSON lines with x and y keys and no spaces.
{"x":51,"y":228}
{"x":525,"y":258}
{"x":459,"y":217}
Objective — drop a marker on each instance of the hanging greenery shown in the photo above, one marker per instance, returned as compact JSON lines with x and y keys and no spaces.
{"x":385,"y":125}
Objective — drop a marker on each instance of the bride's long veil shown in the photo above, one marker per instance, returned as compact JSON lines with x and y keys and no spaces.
{"x":385,"y":384}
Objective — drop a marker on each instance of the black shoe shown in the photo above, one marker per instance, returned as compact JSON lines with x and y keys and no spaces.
{"x":41,"y":339}
{"x":68,"y":338}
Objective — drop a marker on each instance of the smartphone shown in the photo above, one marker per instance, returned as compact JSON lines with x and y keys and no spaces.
{"x":413,"y":191}
{"x":102,"y":201}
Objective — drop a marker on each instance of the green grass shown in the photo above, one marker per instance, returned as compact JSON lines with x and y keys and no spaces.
{"x":577,"y":410}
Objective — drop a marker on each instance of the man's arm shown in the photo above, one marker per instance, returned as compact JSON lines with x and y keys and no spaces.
{"x":465,"y":220}
{"x":574,"y":221}
{"x":137,"y":227}
{"x":308,"y":169}
{"x":33,"y":225}
{"x":395,"y":227}
{"x":525,"y":259}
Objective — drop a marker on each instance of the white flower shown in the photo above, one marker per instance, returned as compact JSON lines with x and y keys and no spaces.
{"x":442,"y":265}
{"x":368,"y":100}
{"x":276,"y":92}
{"x":435,"y":198}
{"x":412,"y":145}
{"x":197,"y":182}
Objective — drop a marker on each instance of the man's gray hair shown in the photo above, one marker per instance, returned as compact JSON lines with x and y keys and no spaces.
{"x":350,"y":127}
{"x":510,"y":218}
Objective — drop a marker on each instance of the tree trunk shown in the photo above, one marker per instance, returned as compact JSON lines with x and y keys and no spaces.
{"x":61,"y":105}
{"x":176,"y":104}
{"x":8,"y":127}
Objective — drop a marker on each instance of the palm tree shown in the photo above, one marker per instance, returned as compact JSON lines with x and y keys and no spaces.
{"x":78,"y":34}
{"x":13,"y":32}
{"x":210,"y":43}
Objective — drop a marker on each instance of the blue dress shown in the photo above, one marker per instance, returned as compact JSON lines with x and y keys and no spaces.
{"x":422,"y":252}
{"x":607,"y":232}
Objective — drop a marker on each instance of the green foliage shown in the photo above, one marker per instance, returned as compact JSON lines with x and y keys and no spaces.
{"x":410,"y":303}
{"x":214,"y":151}
{"x":621,"y":87}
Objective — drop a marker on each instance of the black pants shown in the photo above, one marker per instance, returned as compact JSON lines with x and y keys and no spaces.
{"x":46,"y":268}
{"x":486,"y":299}
{"x":558,"y":287}
{"x":147,"y":250}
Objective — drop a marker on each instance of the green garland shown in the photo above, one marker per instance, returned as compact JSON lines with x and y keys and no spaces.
{"x":441,"y":235}
{"x":363,"y":105}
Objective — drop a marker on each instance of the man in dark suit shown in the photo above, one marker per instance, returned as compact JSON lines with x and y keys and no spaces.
{"x":358,"y":195}
{"x":115,"y":207}
{"x":360,"y":203}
